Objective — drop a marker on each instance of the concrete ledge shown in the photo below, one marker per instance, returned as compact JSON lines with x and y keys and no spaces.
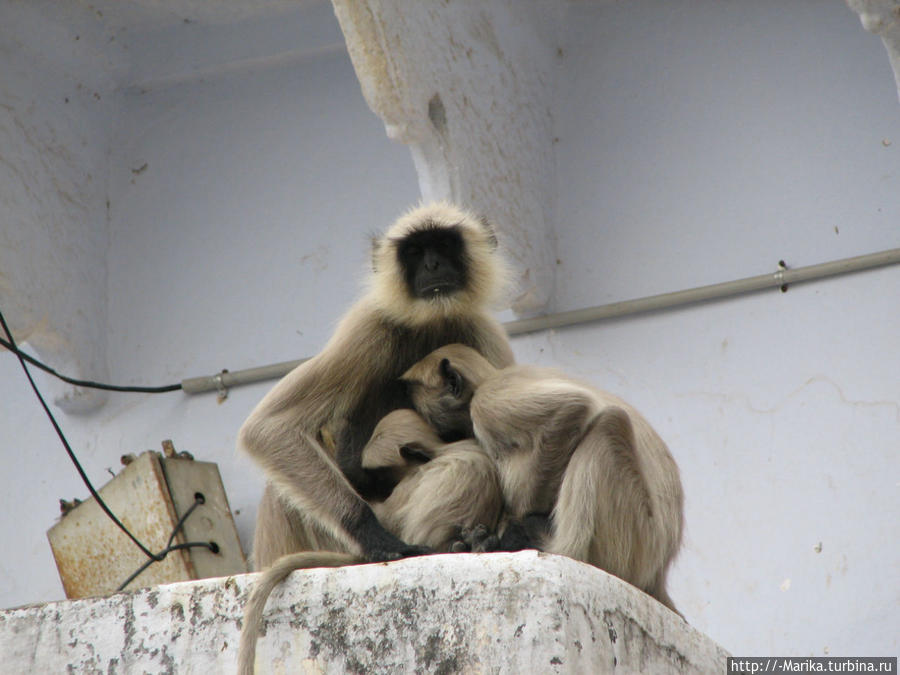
{"x":498,"y":613}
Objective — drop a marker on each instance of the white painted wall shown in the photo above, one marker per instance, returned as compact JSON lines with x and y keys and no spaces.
{"x":239,"y":244}
{"x":702,"y":142}
{"x":698,"y":141}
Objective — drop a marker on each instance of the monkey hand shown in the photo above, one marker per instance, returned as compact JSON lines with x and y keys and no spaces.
{"x":477,"y":539}
{"x":386,"y":555}
{"x":379,"y":545}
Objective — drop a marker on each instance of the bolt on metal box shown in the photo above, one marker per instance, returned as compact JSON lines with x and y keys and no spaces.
{"x":149,"y":496}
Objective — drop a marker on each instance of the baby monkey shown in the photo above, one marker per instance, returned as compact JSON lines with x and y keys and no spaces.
{"x":459,"y":491}
{"x":567,"y":449}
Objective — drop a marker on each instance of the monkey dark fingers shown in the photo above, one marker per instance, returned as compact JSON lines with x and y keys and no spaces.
{"x":477,"y":539}
{"x":377,"y":544}
{"x":413,"y":551}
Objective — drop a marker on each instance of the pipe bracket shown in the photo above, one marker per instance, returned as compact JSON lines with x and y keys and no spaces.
{"x":779,"y":275}
{"x":221,"y":389}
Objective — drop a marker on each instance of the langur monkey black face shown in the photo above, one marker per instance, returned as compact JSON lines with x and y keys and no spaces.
{"x":434,"y":261}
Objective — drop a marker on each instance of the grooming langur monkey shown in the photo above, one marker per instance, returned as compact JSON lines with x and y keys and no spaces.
{"x":459,"y":489}
{"x":566,"y":449}
{"x":435,"y":274}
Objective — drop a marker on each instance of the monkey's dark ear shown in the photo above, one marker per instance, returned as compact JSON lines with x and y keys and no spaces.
{"x":489,"y":230}
{"x":451,"y":377}
{"x":415,"y":452}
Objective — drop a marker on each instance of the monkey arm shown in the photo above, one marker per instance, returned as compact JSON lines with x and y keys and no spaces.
{"x":314,"y":486}
{"x":280,"y":435}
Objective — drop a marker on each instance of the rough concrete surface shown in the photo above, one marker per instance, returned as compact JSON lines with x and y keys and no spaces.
{"x":490,"y":613}
{"x":882,"y":17}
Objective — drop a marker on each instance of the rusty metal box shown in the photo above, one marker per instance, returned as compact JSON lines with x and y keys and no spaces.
{"x":148,"y":496}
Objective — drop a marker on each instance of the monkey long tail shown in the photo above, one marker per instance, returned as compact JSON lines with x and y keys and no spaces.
{"x":267,"y":581}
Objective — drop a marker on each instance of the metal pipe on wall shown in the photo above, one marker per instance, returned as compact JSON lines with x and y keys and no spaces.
{"x":226,"y":380}
{"x":782,"y":278}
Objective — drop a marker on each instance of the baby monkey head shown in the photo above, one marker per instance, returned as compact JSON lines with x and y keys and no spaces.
{"x":441,"y":387}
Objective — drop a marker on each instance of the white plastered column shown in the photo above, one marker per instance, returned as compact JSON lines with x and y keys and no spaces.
{"x":468,"y":86}
{"x":882,"y":17}
{"x":54,"y":233}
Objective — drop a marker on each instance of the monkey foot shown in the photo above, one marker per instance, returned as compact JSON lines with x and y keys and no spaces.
{"x":477,"y":539}
{"x":518,"y":535}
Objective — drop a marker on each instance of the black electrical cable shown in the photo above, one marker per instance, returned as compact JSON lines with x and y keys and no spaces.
{"x":212,"y":546}
{"x":198,"y":498}
{"x":11,"y":346}
{"x":175,"y":547}
{"x":66,"y":445}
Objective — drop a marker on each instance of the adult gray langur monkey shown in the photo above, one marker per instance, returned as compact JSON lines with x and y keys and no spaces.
{"x":435,"y":274}
{"x":567,"y":449}
{"x":441,"y":489}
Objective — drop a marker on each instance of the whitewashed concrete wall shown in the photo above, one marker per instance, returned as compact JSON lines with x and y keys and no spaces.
{"x":698,"y":141}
